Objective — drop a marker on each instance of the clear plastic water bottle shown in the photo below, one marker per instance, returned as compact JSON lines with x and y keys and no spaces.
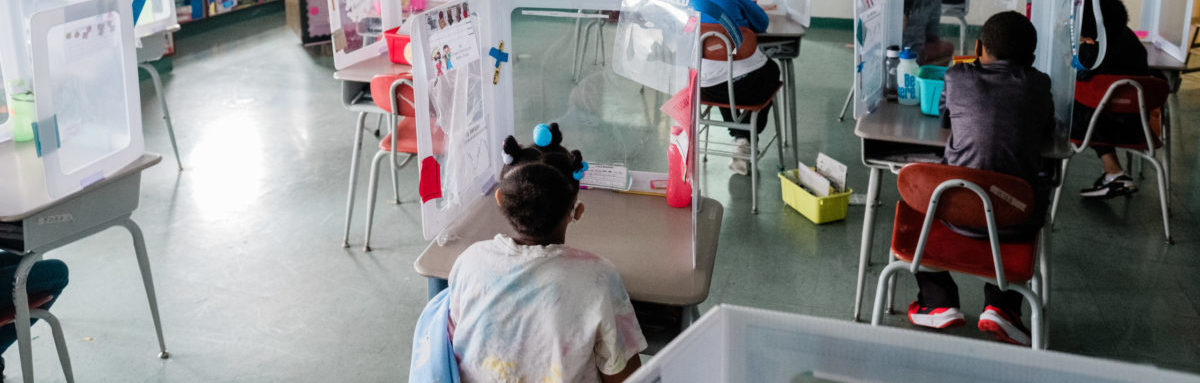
{"x":906,"y":90}
{"x":890,"y":64}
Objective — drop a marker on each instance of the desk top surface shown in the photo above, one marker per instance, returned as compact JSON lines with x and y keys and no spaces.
{"x":1160,"y":60}
{"x":366,"y":70}
{"x":27,"y":195}
{"x":648,"y":241}
{"x":901,"y":123}
{"x":893,"y":122}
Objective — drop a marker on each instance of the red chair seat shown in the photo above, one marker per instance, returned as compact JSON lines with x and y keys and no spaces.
{"x":406,"y":140}
{"x":9,"y":314}
{"x":752,"y":108}
{"x":948,"y":250}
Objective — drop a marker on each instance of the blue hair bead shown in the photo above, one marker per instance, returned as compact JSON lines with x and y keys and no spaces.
{"x":542,"y":135}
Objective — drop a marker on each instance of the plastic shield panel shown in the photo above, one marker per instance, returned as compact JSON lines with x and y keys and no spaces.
{"x":89,"y":123}
{"x":655,"y":44}
{"x":458,"y":156}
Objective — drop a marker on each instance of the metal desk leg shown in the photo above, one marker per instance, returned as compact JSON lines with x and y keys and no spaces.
{"x":357,"y":149}
{"x":436,"y":285}
{"x":139,"y":245}
{"x":868,"y":232}
{"x":690,"y":315}
{"x":21,"y":303}
{"x":162,"y":102}
{"x":789,"y":81}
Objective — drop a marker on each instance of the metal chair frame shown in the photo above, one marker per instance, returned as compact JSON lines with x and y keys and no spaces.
{"x":739,"y":122}
{"x":886,"y":286}
{"x":1163,"y":168}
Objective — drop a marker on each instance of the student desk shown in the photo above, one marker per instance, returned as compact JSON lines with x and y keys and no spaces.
{"x":50,"y":224}
{"x":781,"y":42}
{"x":896,"y":135}
{"x":648,"y":241}
{"x":356,"y":97}
{"x":1163,"y":62}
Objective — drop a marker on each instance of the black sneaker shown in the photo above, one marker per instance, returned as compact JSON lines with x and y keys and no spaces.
{"x":1122,"y":185}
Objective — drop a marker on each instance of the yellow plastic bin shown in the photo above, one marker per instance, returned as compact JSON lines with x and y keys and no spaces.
{"x":817,"y":209}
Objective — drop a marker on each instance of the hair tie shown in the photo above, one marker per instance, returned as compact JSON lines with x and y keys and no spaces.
{"x":542,"y":135}
{"x":579,"y":172}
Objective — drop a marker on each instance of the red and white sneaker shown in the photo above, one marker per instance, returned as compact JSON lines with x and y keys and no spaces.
{"x":936,"y":317}
{"x":1003,"y":327}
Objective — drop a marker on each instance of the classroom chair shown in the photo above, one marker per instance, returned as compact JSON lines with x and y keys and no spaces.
{"x":716,"y":45}
{"x":393,"y":94}
{"x":934,"y":195}
{"x":1128,"y":94}
{"x":9,"y":314}
{"x":957,"y":10}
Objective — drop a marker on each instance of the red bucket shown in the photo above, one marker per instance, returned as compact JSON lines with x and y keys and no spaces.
{"x":399,"y":49}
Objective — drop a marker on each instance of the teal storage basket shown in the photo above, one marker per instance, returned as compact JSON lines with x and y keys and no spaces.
{"x":930,"y":82}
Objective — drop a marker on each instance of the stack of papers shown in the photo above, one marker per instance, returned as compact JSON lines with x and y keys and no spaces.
{"x":829,"y":175}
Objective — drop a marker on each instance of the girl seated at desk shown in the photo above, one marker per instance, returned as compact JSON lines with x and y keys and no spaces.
{"x":755,"y":77}
{"x":529,"y":308}
{"x":1125,"y":56}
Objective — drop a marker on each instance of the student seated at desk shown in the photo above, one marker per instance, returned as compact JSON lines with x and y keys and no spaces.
{"x":46,"y":278}
{"x":755,"y":77}
{"x":999,"y":111}
{"x":1125,"y":56}
{"x":529,"y":308}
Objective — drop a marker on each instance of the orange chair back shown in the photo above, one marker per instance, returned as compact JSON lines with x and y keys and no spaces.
{"x":1124,"y":99}
{"x":714,"y":48}
{"x":1012,"y":197}
{"x":380,"y":85}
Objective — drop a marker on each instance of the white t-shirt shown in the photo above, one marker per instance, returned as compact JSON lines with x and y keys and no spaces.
{"x":713,"y":72}
{"x":539,"y":314}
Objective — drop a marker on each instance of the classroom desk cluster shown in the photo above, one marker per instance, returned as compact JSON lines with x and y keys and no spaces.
{"x":667,"y":257}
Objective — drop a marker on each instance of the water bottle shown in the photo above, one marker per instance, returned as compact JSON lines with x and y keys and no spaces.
{"x":906,"y":90}
{"x":890,"y":65}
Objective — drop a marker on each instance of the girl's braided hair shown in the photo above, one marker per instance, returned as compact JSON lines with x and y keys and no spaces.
{"x":539,"y":182}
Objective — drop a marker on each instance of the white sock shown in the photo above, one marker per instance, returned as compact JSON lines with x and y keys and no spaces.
{"x":1110,"y":177}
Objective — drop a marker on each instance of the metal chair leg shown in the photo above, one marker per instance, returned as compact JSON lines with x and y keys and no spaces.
{"x":891,"y":295}
{"x":600,"y":43}
{"x":373,"y":178}
{"x":962,"y":35}
{"x":1058,"y":191}
{"x":395,"y":167}
{"x":753,"y":162}
{"x":1036,"y":321}
{"x":778,"y":133}
{"x":139,"y":246}
{"x":162,"y":102}
{"x":355,"y":152}
{"x":60,"y":342}
{"x":21,"y":319}
{"x":880,"y":290}
{"x":1162,"y":197}
{"x":575,"y":55}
